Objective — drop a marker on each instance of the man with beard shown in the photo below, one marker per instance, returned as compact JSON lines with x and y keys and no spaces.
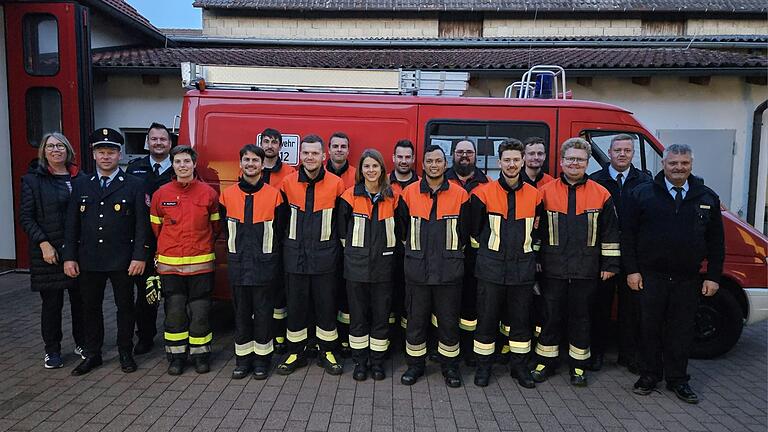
{"x":155,"y":170}
{"x":433,"y":214}
{"x":465,"y":173}
{"x":404,"y":159}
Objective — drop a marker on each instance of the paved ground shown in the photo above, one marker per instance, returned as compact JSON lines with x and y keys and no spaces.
{"x":733,"y":392}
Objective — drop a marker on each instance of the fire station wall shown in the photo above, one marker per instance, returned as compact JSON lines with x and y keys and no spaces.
{"x":7,"y":250}
{"x":672,"y":103}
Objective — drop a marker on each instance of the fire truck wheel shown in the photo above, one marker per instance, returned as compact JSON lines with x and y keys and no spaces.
{"x":719,"y":321}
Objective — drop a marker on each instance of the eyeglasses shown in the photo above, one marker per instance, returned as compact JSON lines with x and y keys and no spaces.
{"x":57,"y":146}
{"x":575,"y":160}
{"x":465,"y":152}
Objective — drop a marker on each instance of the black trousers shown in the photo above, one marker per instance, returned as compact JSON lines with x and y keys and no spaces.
{"x":571,"y":298}
{"x":342,"y":306}
{"x":628,"y":318}
{"x":398,"y":318}
{"x":280,"y":308}
{"x":306,"y":294}
{"x":469,"y":305}
{"x":50,"y":318}
{"x":369,"y":307}
{"x":187,"y":305}
{"x":667,"y":325}
{"x":420,"y":302}
{"x":254,"y":307}
{"x":92,"y":286}
{"x":146,"y":314}
{"x":493,"y":302}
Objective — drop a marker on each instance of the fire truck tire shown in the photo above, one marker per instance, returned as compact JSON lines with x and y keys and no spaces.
{"x":719,"y":321}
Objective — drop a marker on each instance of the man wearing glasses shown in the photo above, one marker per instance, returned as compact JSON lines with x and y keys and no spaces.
{"x":579,"y":236}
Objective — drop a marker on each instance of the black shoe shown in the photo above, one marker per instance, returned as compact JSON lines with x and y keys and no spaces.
{"x":644,"y":386}
{"x":202,"y":365}
{"x":143,"y":347}
{"x":360,"y":373}
{"x":176,"y":367}
{"x":578,"y":378}
{"x":127,"y":363}
{"x":452,"y":377}
{"x":327,"y":361}
{"x":482,"y":376}
{"x":412,"y":375}
{"x":260,"y":372}
{"x":377,"y":372}
{"x":684,"y":393}
{"x":542,"y":372}
{"x":523,"y":376}
{"x":290,"y":364}
{"x":596,"y":362}
{"x":241,"y":371}
{"x":87,"y":365}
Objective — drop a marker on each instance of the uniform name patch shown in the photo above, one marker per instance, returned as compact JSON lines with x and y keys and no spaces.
{"x":169,"y":203}
{"x":704,"y":206}
{"x":592,"y":211}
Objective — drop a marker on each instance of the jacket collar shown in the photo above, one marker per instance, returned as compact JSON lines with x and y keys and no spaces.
{"x":340,"y":171}
{"x":393,"y":179}
{"x":695,"y":184}
{"x":425,"y":188}
{"x":276,"y":167}
{"x":477,"y":176}
{"x":533,"y":181}
{"x":304,"y":178}
{"x":577,"y":184}
{"x":249,"y":188}
{"x":503,"y":182}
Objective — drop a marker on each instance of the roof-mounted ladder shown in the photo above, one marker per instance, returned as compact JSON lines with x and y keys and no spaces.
{"x":539,"y":82}
{"x":324,"y":80}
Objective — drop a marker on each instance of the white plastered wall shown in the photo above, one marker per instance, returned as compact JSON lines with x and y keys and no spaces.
{"x":7,"y":221}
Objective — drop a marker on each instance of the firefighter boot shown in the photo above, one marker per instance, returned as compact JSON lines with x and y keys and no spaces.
{"x":242,"y":367}
{"x":482,"y":375}
{"x":202,"y":364}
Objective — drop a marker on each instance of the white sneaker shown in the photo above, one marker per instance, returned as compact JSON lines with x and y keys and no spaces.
{"x":79,"y":351}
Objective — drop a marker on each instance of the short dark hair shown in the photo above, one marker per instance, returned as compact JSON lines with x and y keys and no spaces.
{"x":272,"y":133}
{"x":341,"y":135}
{"x":533,"y":140}
{"x":156,"y":125}
{"x":311,"y":138}
{"x":511,"y":144}
{"x":184,"y":149}
{"x":405,"y":143}
{"x":432,"y":147}
{"x":253,"y":148}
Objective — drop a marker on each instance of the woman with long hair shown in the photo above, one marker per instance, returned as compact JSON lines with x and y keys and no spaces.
{"x":45,"y":193}
{"x":368,"y":232}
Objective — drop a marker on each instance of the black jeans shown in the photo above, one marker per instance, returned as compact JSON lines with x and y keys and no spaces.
{"x":50,"y":318}
{"x":92,"y":286}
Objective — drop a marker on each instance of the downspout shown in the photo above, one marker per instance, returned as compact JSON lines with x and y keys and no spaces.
{"x":754,"y":161}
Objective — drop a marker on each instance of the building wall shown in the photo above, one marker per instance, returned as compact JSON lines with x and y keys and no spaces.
{"x":726,"y":27}
{"x":561,"y":27}
{"x":105,"y":33}
{"x":7,"y":245}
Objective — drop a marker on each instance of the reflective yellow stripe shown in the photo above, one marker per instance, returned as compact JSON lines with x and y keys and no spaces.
{"x":468,"y":325}
{"x":419,"y":350}
{"x":415,"y":233}
{"x":358,"y":231}
{"x":434,"y":320}
{"x":473,"y":243}
{"x":611,"y":246}
{"x":175,"y":337}
{"x":232,"y":229}
{"x":484,"y":348}
{"x":296,"y":336}
{"x":379,"y":345}
{"x":392,"y":318}
{"x":263,"y":349}
{"x":176,"y":349}
{"x":536,"y":247}
{"x":547,"y":350}
{"x":214,"y":217}
{"x":389,"y":228}
{"x":326,"y":335}
{"x":342,"y":317}
{"x":155,"y":220}
{"x":281,"y":313}
{"x":358,"y":342}
{"x":200,"y":340}
{"x":403,"y":322}
{"x":292,"y":223}
{"x":578,"y":353}
{"x":448,"y":350}
{"x":186,"y":260}
{"x":199,"y":349}
{"x":528,"y":239}
{"x":520,"y":347}
{"x":504,"y":329}
{"x":554,"y":233}
{"x":451,"y":235}
{"x":505,"y":349}
{"x":268,"y":238}
{"x":592,"y":229}
{"x":610,"y":253}
{"x":325,"y":228}
{"x":494,"y":240}
{"x":536,"y":331}
{"x":244,"y":349}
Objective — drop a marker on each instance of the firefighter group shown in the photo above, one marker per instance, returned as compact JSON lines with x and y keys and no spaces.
{"x":330,"y":260}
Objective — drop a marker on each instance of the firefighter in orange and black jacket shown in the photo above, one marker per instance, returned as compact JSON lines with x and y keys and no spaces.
{"x":504,"y":215}
{"x":254,"y":212}
{"x":367,"y":230}
{"x":579,"y":246}
{"x":433,"y":213}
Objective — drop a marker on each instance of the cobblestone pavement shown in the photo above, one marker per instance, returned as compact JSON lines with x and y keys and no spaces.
{"x":732,"y":389}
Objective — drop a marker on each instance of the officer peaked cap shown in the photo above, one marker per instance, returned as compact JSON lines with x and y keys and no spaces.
{"x":106,"y":137}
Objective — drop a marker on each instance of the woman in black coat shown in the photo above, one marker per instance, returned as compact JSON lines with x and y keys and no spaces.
{"x":45,"y":193}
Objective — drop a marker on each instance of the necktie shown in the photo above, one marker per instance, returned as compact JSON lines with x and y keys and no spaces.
{"x":157,"y":168}
{"x":620,"y":180}
{"x":104,"y":180}
{"x":678,"y":197}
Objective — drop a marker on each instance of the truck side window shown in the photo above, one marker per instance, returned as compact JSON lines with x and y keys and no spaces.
{"x":645,"y":157}
{"x":487,"y":135}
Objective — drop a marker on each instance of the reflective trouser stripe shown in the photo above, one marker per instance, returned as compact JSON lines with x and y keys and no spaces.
{"x":202,"y":349}
{"x":434,"y":320}
{"x":279,"y":313}
{"x":484,"y":348}
{"x":448,"y":350}
{"x":392,"y":318}
{"x":504,"y":329}
{"x":342,"y":317}
{"x":292,"y":223}
{"x":201,"y":340}
{"x":325,"y":227}
{"x":467,"y":325}
{"x":176,"y":337}
{"x":494,"y":241}
{"x":232,"y":230}
{"x":547,"y":350}
{"x":578,"y":353}
{"x":403,"y":322}
{"x":326,"y":335}
{"x":268,"y":238}
{"x":358,"y":231}
{"x":358,"y":342}
{"x":389,"y":228}
{"x":505,"y":349}
{"x":176,"y":349}
{"x":296,"y":336}
{"x":415,"y":233}
{"x":419,"y":350}
{"x":244,"y":349}
{"x":473,"y":243}
{"x":536,"y":331}
{"x":379,"y":345}
{"x":527,"y":247}
{"x":263,"y":349}
{"x":451,"y":234}
{"x":520,"y":347}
